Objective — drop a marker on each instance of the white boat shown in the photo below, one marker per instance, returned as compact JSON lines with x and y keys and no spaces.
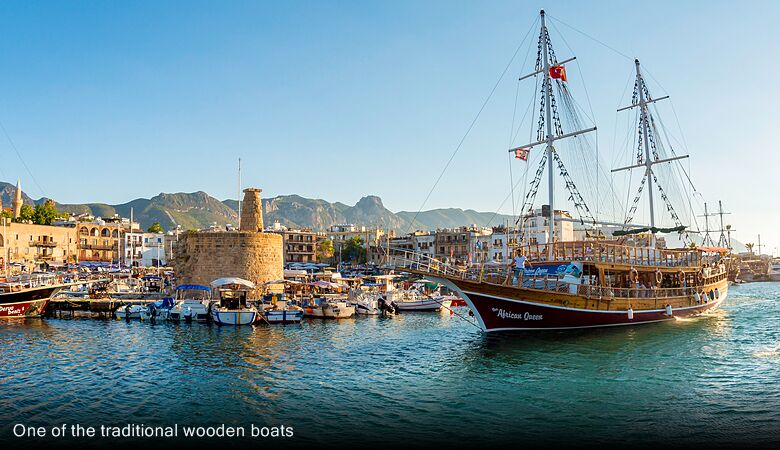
{"x":158,"y":311}
{"x":414,"y":300}
{"x":192,"y":303}
{"x":329,"y":308}
{"x":283,"y":315}
{"x":232,"y":307}
{"x":129,"y":312}
{"x":370,"y":303}
{"x":275,"y":308}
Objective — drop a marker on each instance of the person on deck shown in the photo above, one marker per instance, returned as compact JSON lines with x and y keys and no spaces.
{"x":520,"y":263}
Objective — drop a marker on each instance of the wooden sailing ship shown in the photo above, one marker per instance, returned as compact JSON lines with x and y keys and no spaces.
{"x":621,"y":280}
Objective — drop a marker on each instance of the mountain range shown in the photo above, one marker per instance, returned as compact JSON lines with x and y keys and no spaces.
{"x":198,"y":210}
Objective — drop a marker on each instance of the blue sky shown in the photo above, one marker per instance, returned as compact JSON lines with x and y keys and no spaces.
{"x":109,"y":101}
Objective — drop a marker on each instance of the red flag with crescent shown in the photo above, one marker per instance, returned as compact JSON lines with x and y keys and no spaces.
{"x":521,"y":153}
{"x":558,"y":72}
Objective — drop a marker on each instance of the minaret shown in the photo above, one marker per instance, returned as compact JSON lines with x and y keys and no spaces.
{"x":17,"y":204}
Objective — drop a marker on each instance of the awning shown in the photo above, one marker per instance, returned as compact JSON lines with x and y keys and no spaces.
{"x":232,"y":280}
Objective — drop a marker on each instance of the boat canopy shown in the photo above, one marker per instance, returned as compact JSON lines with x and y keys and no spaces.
{"x":151,"y":277}
{"x":194,"y":287}
{"x":232,"y":280}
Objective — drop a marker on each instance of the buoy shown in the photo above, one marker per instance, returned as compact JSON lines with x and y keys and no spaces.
{"x":630,"y":314}
{"x":717,"y":293}
{"x":698,"y":298}
{"x":669,"y":310}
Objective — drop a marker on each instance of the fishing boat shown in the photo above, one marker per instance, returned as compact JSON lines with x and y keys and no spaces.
{"x":231,"y":303}
{"x":329,"y":307}
{"x":622,"y":277}
{"x":27,"y":296}
{"x":275,"y":307}
{"x":192,"y":302}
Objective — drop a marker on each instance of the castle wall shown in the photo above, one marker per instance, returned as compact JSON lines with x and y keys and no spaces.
{"x":202,"y":257}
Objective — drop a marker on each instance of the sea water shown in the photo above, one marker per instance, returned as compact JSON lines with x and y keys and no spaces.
{"x":421,"y":378}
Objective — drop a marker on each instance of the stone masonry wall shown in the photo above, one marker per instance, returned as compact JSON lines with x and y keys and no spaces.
{"x":252,"y":211}
{"x":205,"y":256}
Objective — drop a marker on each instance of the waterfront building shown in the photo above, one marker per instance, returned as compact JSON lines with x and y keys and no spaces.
{"x":458,"y":244}
{"x":31,"y":245}
{"x":100,"y":239}
{"x":535,"y":226}
{"x":143,"y":249}
{"x":300,"y":244}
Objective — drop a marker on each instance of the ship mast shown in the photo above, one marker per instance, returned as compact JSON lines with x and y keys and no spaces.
{"x":547,"y":63}
{"x":549,"y":140}
{"x":642,"y":100}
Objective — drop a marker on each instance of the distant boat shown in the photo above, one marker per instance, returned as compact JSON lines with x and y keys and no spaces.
{"x":192,"y":303}
{"x":129,"y":312}
{"x":231,"y":305}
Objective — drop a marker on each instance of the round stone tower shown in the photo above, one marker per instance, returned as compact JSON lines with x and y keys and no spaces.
{"x":202,"y":257}
{"x":252,"y":210}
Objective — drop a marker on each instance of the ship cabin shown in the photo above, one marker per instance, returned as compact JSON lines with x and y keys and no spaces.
{"x":607,"y":274}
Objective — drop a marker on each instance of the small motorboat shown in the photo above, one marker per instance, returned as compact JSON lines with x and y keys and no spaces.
{"x":413,"y":300}
{"x":371,"y":304}
{"x":329,"y":308}
{"x":129,"y":312}
{"x":158,"y":311}
{"x":191,"y":304}
{"x":232,"y":307}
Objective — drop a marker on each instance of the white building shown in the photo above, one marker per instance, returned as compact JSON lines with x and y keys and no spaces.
{"x":145,"y":249}
{"x":536,"y":226}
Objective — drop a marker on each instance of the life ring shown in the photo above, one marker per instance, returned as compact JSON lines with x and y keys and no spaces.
{"x":681,"y":276}
{"x":659,"y":277}
{"x":700,"y":275}
{"x":633,"y":275}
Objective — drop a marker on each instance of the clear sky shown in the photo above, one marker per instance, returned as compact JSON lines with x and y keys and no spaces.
{"x":110,"y":101}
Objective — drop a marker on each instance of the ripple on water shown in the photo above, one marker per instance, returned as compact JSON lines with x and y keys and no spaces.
{"x":367,"y":376}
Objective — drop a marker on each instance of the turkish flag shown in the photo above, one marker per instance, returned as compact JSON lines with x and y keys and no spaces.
{"x":558,"y":72}
{"x":521,"y":153}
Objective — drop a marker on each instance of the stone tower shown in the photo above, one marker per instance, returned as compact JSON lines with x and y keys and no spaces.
{"x":17,"y":204}
{"x":204,"y":256}
{"x":252,"y":211}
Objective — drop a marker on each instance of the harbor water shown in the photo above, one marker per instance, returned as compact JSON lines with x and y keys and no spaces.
{"x":416,"y":378}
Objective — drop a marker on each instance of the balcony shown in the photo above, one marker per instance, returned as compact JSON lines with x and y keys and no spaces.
{"x":43,"y":243}
{"x":112,"y":247}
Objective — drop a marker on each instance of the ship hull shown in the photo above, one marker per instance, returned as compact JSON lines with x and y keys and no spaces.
{"x":500,"y":313}
{"x":26,"y":303}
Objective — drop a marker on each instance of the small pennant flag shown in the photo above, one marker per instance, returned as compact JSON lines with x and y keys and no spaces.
{"x":521,"y":153}
{"x":558,"y":72}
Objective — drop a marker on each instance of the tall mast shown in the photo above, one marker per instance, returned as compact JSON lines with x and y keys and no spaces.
{"x":543,"y":67}
{"x":648,"y":160}
{"x":549,"y":137}
{"x":641,"y":100}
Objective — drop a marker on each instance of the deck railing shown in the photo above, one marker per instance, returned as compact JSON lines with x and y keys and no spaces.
{"x":505,"y":276}
{"x":606,"y":252}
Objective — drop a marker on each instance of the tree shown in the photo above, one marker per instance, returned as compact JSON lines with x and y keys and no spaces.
{"x":324,"y":249}
{"x":353,"y":251}
{"x":156,"y":228}
{"x":44,"y":213}
{"x":26,"y":214}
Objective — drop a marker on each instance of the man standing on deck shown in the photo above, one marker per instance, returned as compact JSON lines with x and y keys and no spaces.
{"x":520,"y":264}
